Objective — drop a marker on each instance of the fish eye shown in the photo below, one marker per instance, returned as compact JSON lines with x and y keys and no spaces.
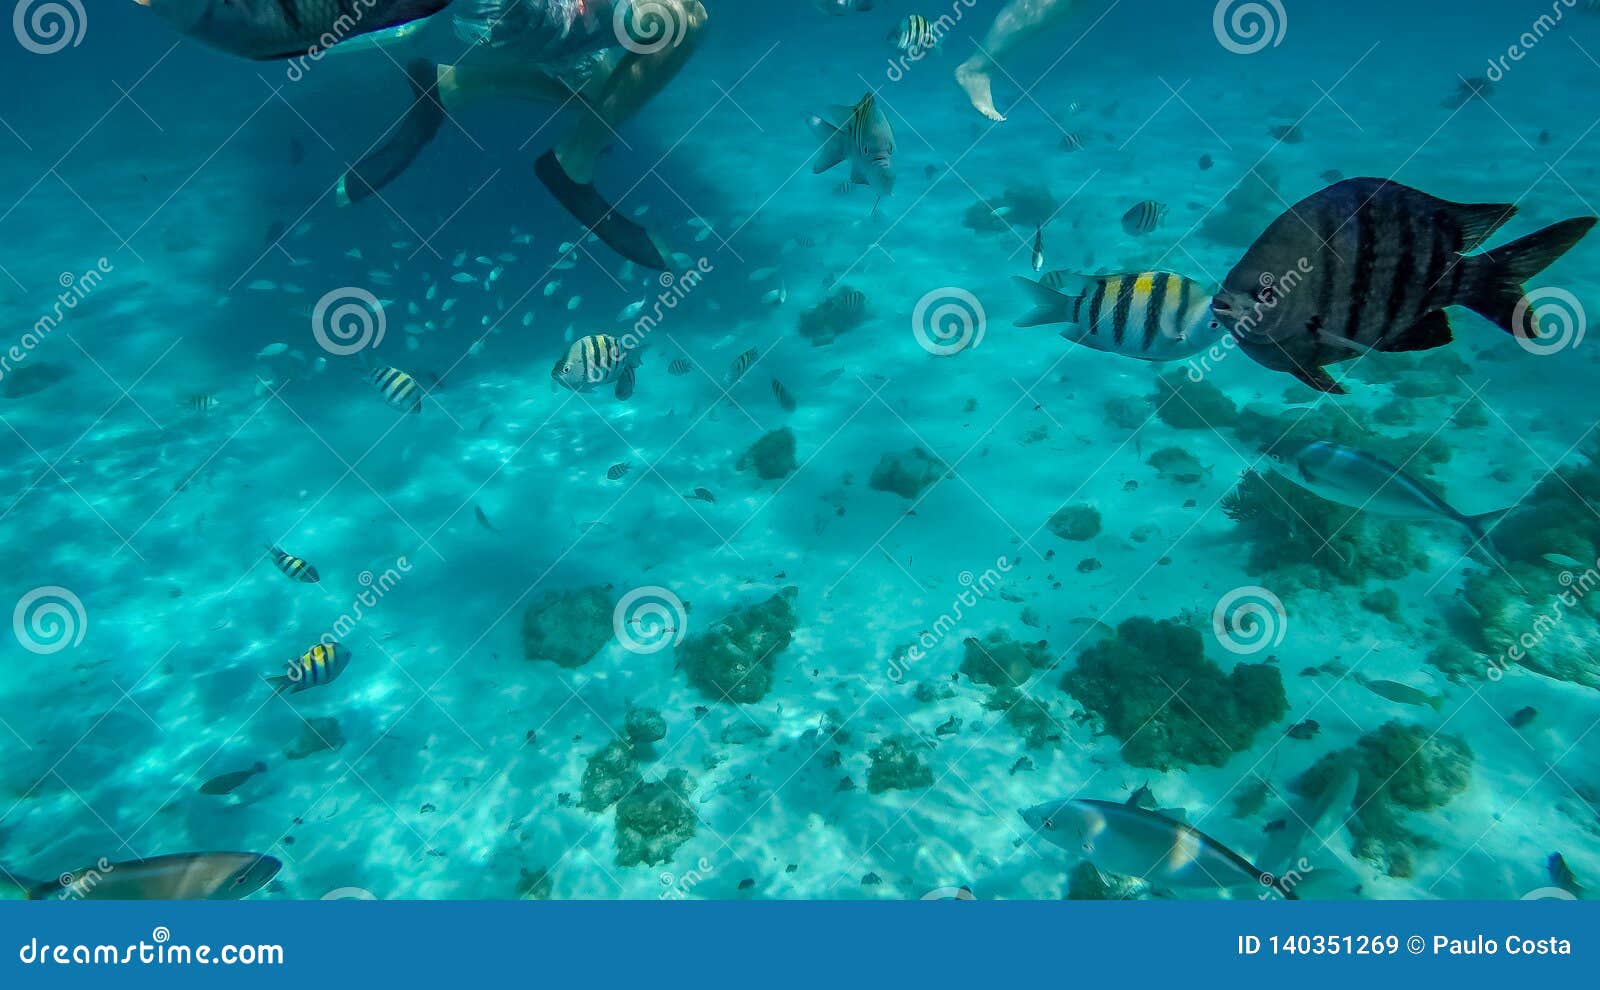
{"x":1050,"y":823}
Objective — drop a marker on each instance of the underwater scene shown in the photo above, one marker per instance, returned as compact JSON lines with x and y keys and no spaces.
{"x":800,"y":449}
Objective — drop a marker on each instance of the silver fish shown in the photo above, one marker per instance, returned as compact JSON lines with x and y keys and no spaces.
{"x":1131,"y":841}
{"x":209,"y":876}
{"x":1038,"y":250}
{"x":1357,"y":479}
{"x":274,"y":29}
{"x":864,"y":139}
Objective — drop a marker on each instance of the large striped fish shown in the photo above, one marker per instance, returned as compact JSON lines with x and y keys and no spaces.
{"x":1371,"y":265}
{"x":272,"y":29}
{"x":915,"y":36}
{"x":1152,"y":316}
{"x":596,"y":361}
{"x":864,"y":139}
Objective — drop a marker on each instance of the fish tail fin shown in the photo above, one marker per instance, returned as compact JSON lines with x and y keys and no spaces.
{"x":1481,"y":527}
{"x":835,"y":145}
{"x":1049,"y":306}
{"x":14,"y":887}
{"x":1497,"y":292}
{"x":278,"y":683}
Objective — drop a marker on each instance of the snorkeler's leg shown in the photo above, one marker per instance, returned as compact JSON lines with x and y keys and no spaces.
{"x":611,"y":101}
{"x":1017,"y":22}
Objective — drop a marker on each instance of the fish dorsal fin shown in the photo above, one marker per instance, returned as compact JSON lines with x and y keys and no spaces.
{"x":1479,"y":221}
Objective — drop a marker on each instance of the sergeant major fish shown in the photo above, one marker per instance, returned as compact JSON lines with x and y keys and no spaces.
{"x":322,"y":664}
{"x":595,"y":361}
{"x":274,"y":29}
{"x":1153,"y":316}
{"x":864,"y":139}
{"x":398,"y":389}
{"x":916,"y":36}
{"x":293,"y":567}
{"x":1380,"y":263}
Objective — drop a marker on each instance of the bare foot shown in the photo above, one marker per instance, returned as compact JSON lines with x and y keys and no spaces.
{"x":979,"y":90}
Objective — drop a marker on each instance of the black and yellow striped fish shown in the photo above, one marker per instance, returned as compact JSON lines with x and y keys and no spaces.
{"x":1153,"y":316}
{"x":294,"y":567}
{"x":201,"y":402}
{"x":679,"y":367}
{"x":595,"y":361}
{"x":915,"y":36}
{"x":322,"y":664}
{"x":618,"y":471}
{"x":398,"y":389}
{"x":1144,"y":217}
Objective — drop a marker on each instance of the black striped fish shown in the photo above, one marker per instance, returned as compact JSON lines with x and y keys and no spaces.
{"x":848,"y":300}
{"x":322,"y":664}
{"x":782,"y":394}
{"x":1144,"y":217}
{"x":741,"y":364}
{"x":619,"y":471}
{"x":596,"y":361}
{"x":274,"y":29}
{"x":201,"y":402}
{"x":679,"y":368}
{"x":915,"y":36}
{"x":398,"y":389}
{"x":1071,"y":142}
{"x":1153,"y":316}
{"x":293,"y":567}
{"x":1371,"y":265}
{"x":864,"y":139}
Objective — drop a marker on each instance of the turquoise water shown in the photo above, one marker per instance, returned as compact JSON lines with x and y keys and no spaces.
{"x":950,"y":651}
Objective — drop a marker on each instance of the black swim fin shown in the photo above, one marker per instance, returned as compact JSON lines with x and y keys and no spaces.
{"x":421,"y":122}
{"x":582,"y":201}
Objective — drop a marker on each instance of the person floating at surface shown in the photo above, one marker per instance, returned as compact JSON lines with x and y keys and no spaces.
{"x":609,"y":57}
{"x":1017,"y":22}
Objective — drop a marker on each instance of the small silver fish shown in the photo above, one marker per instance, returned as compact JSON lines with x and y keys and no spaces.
{"x":1038,"y":249}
